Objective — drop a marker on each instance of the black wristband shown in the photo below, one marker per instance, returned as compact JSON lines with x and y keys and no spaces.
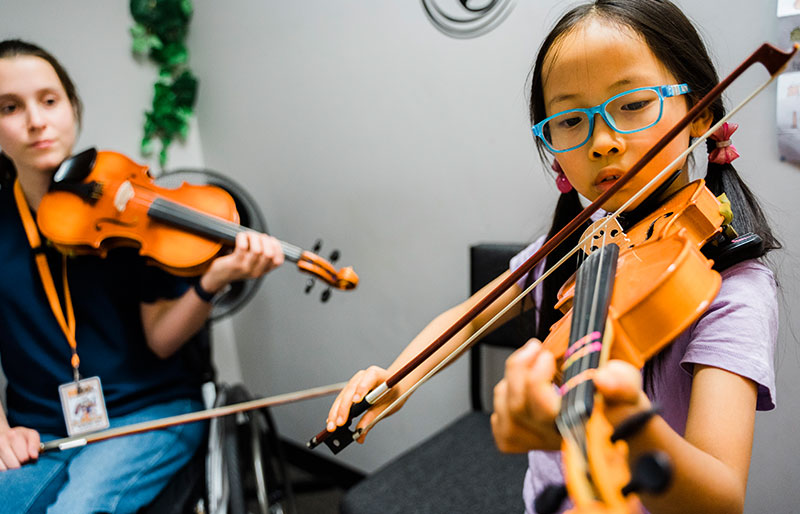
{"x":202,"y":293}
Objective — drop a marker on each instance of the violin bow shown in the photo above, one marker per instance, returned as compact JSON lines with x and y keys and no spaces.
{"x":772,"y":58}
{"x":146,"y":426}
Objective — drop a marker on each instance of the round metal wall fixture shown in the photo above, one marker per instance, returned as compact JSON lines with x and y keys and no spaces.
{"x":464,"y":19}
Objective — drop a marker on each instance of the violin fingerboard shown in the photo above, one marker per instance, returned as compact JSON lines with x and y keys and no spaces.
{"x":593,"y":289}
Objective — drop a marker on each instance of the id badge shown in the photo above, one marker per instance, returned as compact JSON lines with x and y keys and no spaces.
{"x":83,"y":406}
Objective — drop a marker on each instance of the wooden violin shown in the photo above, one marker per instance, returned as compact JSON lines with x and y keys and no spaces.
{"x":632,"y":296}
{"x":100,"y":200}
{"x":663,"y":282}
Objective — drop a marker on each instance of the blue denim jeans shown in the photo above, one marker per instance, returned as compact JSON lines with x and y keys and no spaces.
{"x":115,"y":476}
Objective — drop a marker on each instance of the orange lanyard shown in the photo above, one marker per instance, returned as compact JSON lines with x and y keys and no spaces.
{"x":67,"y":324}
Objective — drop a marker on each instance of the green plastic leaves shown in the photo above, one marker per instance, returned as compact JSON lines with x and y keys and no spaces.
{"x":159,"y":34}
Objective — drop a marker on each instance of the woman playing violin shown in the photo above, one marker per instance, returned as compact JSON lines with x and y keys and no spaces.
{"x":124,"y":322}
{"x":611,"y":78}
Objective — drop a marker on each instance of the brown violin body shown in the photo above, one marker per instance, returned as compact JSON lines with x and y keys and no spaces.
{"x":119,"y":217}
{"x":116,"y":203}
{"x":663,"y":281}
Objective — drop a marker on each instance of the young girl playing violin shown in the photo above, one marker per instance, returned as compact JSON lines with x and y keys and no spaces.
{"x":611,"y":78}
{"x":130,"y":323}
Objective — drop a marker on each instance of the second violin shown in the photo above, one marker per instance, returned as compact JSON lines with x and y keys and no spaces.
{"x":99,"y":200}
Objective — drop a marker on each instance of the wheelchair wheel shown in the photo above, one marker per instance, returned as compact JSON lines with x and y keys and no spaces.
{"x":255,"y":465}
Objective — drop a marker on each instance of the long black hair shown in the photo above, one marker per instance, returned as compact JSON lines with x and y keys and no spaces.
{"x":676,"y":44}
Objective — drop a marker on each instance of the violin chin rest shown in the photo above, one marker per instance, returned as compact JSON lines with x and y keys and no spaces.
{"x":76,"y":168}
{"x":550,"y":499}
{"x":729,"y":252}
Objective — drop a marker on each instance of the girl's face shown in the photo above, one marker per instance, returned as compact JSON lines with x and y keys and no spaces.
{"x":587,"y":66}
{"x":38,"y":124}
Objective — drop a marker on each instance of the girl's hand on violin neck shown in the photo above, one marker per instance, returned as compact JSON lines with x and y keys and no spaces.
{"x":254,"y":255}
{"x":620,"y":383}
{"x":356,"y":389}
{"x":18,"y":445}
{"x":526,"y":402}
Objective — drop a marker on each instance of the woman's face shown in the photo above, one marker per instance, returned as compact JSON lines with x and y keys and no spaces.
{"x":587,"y":66}
{"x":38,"y":124}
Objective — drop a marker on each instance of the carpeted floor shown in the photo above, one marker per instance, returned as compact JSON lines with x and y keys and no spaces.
{"x":310,"y":496}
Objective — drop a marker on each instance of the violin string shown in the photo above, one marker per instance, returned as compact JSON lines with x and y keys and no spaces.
{"x":584,"y":389}
{"x":222,"y":226}
{"x":572,"y":412}
{"x":229,"y":228}
{"x":569,"y":426}
{"x":292,"y":252}
{"x":571,"y":397}
{"x":479,"y":332}
{"x":224,"y":229}
{"x":145,"y":197}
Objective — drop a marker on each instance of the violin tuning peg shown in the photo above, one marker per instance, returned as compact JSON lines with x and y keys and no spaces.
{"x":550,"y":499}
{"x":317,"y":246}
{"x":309,"y":285}
{"x":652,"y":473}
{"x":326,"y":295}
{"x":334,"y":256}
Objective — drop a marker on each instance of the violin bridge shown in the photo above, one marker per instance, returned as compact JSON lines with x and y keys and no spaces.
{"x":123,"y":196}
{"x":603,"y":232}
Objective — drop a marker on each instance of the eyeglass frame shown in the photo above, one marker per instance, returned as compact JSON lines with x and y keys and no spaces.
{"x":666,"y":91}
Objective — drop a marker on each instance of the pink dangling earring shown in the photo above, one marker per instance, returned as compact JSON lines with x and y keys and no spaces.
{"x":562,"y":182}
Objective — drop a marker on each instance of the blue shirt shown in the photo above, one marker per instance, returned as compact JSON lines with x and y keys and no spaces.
{"x":106,"y":295}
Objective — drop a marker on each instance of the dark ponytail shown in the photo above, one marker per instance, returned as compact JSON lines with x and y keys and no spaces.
{"x":748,"y":217}
{"x":567,"y":208}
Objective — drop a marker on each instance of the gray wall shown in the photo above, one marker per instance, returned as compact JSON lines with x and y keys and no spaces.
{"x":359,"y":123}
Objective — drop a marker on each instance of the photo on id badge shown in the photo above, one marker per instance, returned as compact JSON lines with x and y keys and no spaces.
{"x":83,"y":406}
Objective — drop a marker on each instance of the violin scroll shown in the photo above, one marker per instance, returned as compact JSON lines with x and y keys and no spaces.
{"x":343,"y":279}
{"x":598,"y":477}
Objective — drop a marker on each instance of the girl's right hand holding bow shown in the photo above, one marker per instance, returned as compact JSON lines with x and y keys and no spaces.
{"x":366,"y":380}
{"x":356,"y":389}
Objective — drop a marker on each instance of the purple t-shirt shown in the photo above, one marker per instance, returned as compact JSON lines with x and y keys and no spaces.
{"x":736,"y":334}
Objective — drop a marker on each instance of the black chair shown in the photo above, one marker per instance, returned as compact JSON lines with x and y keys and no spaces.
{"x":459,"y":469}
{"x":248,"y":464}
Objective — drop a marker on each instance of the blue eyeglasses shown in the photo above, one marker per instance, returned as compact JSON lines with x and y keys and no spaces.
{"x":631,"y":111}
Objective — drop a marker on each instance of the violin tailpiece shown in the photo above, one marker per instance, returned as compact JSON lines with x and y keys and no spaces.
{"x":89,"y":192}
